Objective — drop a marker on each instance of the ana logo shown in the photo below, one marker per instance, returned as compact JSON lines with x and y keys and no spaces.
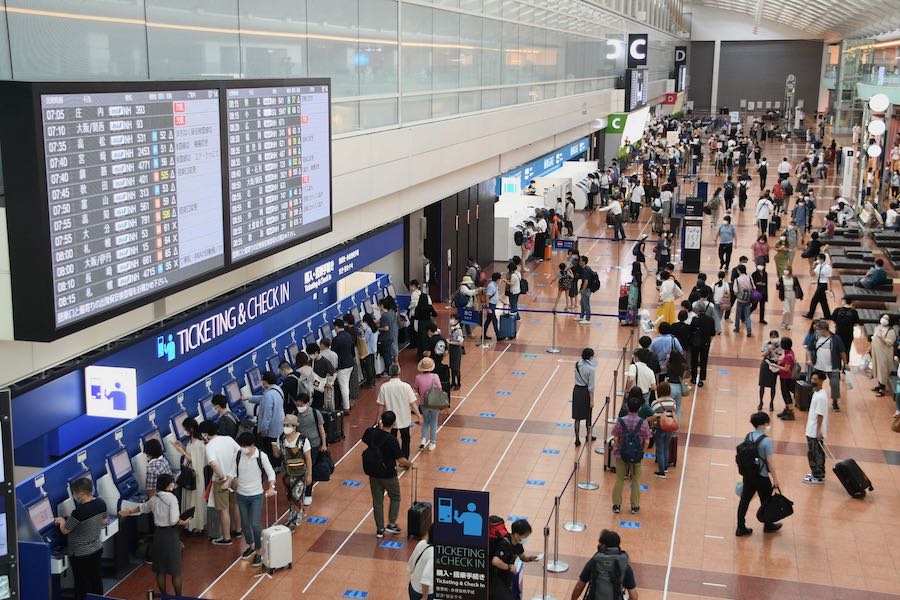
{"x":165,"y":347}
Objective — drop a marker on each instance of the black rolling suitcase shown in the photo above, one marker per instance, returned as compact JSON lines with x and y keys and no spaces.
{"x":609,"y":464}
{"x":333,"y":423}
{"x":802,"y":394}
{"x":673,"y":450}
{"x":851,"y":476}
{"x":419,"y":515}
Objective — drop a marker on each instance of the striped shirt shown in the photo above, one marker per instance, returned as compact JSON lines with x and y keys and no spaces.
{"x":84,"y":526}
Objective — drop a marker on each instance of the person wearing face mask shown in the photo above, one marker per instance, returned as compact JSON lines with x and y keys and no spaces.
{"x":312,"y":427}
{"x":788,"y":368}
{"x":608,"y":572}
{"x":194,"y":456}
{"x":884,"y":340}
{"x":760,"y":481}
{"x":725,"y":237}
{"x":166,"y":542}
{"x":503,"y":561}
{"x":456,"y":343}
{"x":83,"y":527}
{"x":789,"y":291}
{"x":221,"y":451}
{"x":156,"y":464}
{"x":761,"y":283}
{"x":782,"y":248}
{"x":295,"y":451}
{"x":252,"y":467}
{"x":822,"y":280}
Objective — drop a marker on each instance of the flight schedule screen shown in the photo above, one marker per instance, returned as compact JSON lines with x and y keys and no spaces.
{"x":134,"y":186}
{"x":279,"y":173}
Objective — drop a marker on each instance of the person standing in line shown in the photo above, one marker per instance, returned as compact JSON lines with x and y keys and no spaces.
{"x":513,"y":283}
{"x":389,"y":326}
{"x":344,"y":345}
{"x":763,"y":170}
{"x":323,"y":370}
{"x":789,"y":291}
{"x":816,"y":429}
{"x":822,"y":280}
{"x":227,"y":423}
{"x":540,"y":235}
{"x":725,"y":237}
{"x":194,"y":457}
{"x":294,"y":450}
{"x":761,"y":480}
{"x":456,"y":344}
{"x":421,"y":569}
{"x":369,"y":332}
{"x":743,"y":288}
{"x":166,"y":542}
{"x":828,"y":355}
{"x":669,"y":292}
{"x":787,"y":369}
{"x":249,"y":487}
{"x":221,"y":452}
{"x":632,"y":435}
{"x":583,"y":395}
{"x":270,"y":414}
{"x":83,"y":527}
{"x":607,"y":573}
{"x":721,"y":300}
{"x":311,"y":426}
{"x":703,"y":329}
{"x":586,"y":275}
{"x":157,"y":464}
{"x":380,"y":462}
{"x":663,"y":404}
{"x":425,"y":381}
{"x":397,"y":397}
{"x":492,"y":292}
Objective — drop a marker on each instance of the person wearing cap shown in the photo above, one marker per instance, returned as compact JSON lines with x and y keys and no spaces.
{"x":398,"y":397}
{"x":469,"y":290}
{"x":295,"y":451}
{"x":166,"y":542}
{"x":425,"y":380}
{"x":252,"y":467}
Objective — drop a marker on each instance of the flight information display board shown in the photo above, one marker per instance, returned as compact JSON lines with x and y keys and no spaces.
{"x":279,"y":167}
{"x":637,"y":82}
{"x":134,"y":186}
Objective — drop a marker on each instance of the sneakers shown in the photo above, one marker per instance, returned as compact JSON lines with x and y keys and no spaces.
{"x":432,"y":446}
{"x":247,"y":553}
{"x":584,"y":322}
{"x":635,"y":510}
{"x":422,"y":444}
{"x":392,"y":529}
{"x":257,"y":561}
{"x":660,"y":474}
{"x":379,"y":533}
{"x":787,"y":416}
{"x":307,"y":500}
{"x":221,"y":542}
{"x":617,"y":509}
{"x":814,"y":480}
{"x":835,"y":407}
{"x":742,"y":531}
{"x":772,"y":527}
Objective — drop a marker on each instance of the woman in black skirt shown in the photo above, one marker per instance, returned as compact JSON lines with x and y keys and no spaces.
{"x":166,"y":538}
{"x":583,"y":394}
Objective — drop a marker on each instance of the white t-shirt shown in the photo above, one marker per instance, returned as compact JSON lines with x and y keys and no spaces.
{"x":249,"y":481}
{"x":817,"y":406}
{"x":397,"y":396}
{"x":823,"y":273}
{"x":665,"y":196}
{"x":642,"y":375}
{"x":784,"y":167}
{"x":637,"y":194}
{"x":763,"y":209}
{"x":421,"y":566}
{"x":222,"y":450}
{"x":541,"y":225}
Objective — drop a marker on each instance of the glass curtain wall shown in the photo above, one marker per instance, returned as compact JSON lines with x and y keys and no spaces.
{"x":392,"y":62}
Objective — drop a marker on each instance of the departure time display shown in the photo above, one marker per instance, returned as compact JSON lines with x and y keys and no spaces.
{"x":279,"y":173}
{"x":134,"y":186}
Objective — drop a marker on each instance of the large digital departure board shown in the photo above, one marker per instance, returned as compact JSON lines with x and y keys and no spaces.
{"x":279,"y":174}
{"x":134,"y":186}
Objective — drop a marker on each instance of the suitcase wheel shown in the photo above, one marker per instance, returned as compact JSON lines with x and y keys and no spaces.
{"x":290,"y":565}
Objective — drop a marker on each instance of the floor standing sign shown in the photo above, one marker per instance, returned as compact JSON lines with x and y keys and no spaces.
{"x":461,"y":555}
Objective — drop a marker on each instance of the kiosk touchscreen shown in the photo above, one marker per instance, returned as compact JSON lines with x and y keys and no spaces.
{"x":40,"y":513}
{"x":82,"y":475}
{"x":272,"y":364}
{"x":310,"y":339}
{"x":291,"y":353}
{"x":390,"y":290}
{"x":176,"y":427}
{"x":206,"y":407}
{"x":325,"y":332}
{"x":369,"y":308}
{"x":254,"y":380}
{"x":152,"y":434}
{"x":232,"y":392}
{"x":354,"y":311}
{"x":122,"y":473}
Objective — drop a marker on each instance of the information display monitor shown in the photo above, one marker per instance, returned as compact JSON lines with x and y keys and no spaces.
{"x":279,"y":165}
{"x":120,"y":465}
{"x":41,"y":514}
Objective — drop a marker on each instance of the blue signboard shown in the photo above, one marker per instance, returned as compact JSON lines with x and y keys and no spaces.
{"x":544,"y":165}
{"x":469,"y":316}
{"x":460,"y":539}
{"x":561,"y":244}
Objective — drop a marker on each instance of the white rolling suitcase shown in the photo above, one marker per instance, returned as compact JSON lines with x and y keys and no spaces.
{"x":277,"y":551}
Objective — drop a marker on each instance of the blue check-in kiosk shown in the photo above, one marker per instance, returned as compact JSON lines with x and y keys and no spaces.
{"x":291,"y":352}
{"x":179,"y":433}
{"x":121,"y":472}
{"x":40,"y":514}
{"x":254,"y":380}
{"x":232,"y":392}
{"x":272,"y":365}
{"x":207,"y":410}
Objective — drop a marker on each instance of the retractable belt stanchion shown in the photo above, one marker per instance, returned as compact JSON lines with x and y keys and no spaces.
{"x":602,"y":448}
{"x":621,"y":392}
{"x":483,"y":344}
{"x":544,"y":571}
{"x":588,"y":483}
{"x":555,"y":565}
{"x":576,"y":526}
{"x":615,"y":383}
{"x":553,"y":349}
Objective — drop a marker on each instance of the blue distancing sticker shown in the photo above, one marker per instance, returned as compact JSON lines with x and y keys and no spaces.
{"x":529,"y":356}
{"x":594,"y":363}
{"x":501,"y":393}
{"x":446,"y":470}
{"x":350,"y":483}
{"x":630,"y":524}
{"x":355,"y":594}
{"x":550,"y":451}
{"x":564,"y":425}
{"x":534,"y":482}
{"x":518,"y":373}
{"x":468,"y":440}
{"x":535,"y":320}
{"x":391,"y":545}
{"x":723,"y":371}
{"x":644,"y":488}
{"x":650,"y":456}
{"x":513,"y":518}
{"x":488,"y":415}
{"x":316,"y":520}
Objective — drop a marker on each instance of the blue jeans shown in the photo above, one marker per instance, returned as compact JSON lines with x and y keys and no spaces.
{"x":717,"y":310}
{"x":250,"y":508}
{"x":585,"y":303}
{"x":514,"y":305}
{"x":661,"y":443}
{"x":677,"y":393}
{"x":430,"y":423}
{"x":742,"y":313}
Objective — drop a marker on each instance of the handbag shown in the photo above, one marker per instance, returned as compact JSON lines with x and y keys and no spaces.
{"x":187,"y":478}
{"x":436,"y":398}
{"x":776,"y":508}
{"x":895,"y":426}
{"x":323,"y":467}
{"x":755,"y":296}
{"x":668,"y":422}
{"x":318,"y":382}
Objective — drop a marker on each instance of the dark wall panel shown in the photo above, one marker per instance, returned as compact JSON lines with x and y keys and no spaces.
{"x":700,"y":69}
{"x":756,"y":71}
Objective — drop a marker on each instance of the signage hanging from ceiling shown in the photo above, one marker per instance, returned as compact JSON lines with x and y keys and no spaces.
{"x":637,"y":50}
{"x":680,"y":56}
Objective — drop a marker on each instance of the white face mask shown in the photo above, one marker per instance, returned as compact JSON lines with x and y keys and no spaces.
{"x":248,"y":451}
{"x":759,"y":267}
{"x":885,"y":320}
{"x":767,"y":428}
{"x":303,"y":409}
{"x":288,"y":430}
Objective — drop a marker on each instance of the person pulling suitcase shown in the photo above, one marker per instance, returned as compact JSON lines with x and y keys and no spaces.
{"x":816,"y":428}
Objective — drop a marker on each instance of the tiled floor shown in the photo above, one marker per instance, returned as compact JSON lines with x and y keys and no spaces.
{"x":684,"y":545}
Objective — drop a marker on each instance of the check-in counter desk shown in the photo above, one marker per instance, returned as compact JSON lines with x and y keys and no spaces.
{"x":510,"y":214}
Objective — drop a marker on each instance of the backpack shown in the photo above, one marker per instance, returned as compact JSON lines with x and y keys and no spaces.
{"x":594,"y":187}
{"x":373,"y":462}
{"x":294,"y":466}
{"x":747,"y":457}
{"x":460,"y":300}
{"x":496,"y":532}
{"x":778,"y":191}
{"x":237,"y":464}
{"x":518,"y":238}
{"x":594,"y":282}
{"x":243,"y":425}
{"x":729,"y":189}
{"x":608,"y":574}
{"x":482,"y":279}
{"x":632,"y":450}
{"x":523,"y":286}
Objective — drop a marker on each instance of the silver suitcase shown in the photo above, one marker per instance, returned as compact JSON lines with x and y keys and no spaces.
{"x":277,"y":550}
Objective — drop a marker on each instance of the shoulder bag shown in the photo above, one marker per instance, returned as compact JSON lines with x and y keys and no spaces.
{"x":436,"y":398}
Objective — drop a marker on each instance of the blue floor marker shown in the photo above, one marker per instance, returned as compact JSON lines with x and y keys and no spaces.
{"x":630,"y":524}
{"x":518,"y":373}
{"x":723,"y":371}
{"x":644,"y":488}
{"x":550,"y":451}
{"x":488,"y":415}
{"x":316,"y":520}
{"x":513,"y":518}
{"x":565,"y":425}
{"x":534,"y":482}
{"x":650,"y":456}
{"x":500,"y":393}
{"x":446,"y":470}
{"x":468,"y":440}
{"x":529,"y":356}
{"x":355,"y":594}
{"x":535,"y":320}
{"x":391,"y":545}
{"x":349,"y":483}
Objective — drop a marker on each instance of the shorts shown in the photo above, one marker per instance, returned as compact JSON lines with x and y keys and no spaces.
{"x":222,"y":499}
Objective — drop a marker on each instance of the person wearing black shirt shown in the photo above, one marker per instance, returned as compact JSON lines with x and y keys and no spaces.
{"x":503,"y":561}
{"x":436,"y":344}
{"x":648,"y":356}
{"x":703,"y":329}
{"x":608,"y":556}
{"x":385,"y":480}
{"x":83,"y":528}
{"x":845,"y":318}
{"x":344,"y":346}
{"x":323,"y":369}
{"x":290,"y":385}
{"x":228,"y":422}
{"x":698,"y":288}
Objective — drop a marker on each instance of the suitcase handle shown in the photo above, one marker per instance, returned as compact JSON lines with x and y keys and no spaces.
{"x":266,"y":503}
{"x":415,"y":485}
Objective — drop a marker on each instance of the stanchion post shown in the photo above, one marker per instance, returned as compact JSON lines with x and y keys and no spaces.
{"x":621,"y":392}
{"x":576,"y":526}
{"x":555,"y":565}
{"x":544,"y":595}
{"x":588,"y":483}
{"x":615,"y":394}
{"x":553,"y":349}
{"x":483,"y":344}
{"x":605,"y":432}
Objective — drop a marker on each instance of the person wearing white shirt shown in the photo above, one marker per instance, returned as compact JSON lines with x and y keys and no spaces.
{"x":615,"y":209}
{"x":764,"y":209}
{"x":784,"y":168}
{"x":890,"y":217}
{"x":398,"y":397}
{"x":421,"y":570}
{"x":252,"y":467}
{"x":816,"y":429}
{"x":221,"y":452}
{"x":822,"y":280}
{"x":640,"y":375}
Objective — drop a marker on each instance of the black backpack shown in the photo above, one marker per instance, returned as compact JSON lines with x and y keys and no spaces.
{"x":747,"y":457}
{"x":460,"y":300}
{"x":523,"y":286}
{"x":373,"y":462}
{"x":518,"y":238}
{"x":594,"y":282}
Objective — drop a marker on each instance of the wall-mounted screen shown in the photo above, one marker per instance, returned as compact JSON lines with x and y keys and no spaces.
{"x":279,"y":166}
{"x":41,"y":514}
{"x":120,"y":464}
{"x":637,"y":82}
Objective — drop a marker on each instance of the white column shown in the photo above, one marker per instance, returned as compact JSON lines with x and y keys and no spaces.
{"x":714,"y":89}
